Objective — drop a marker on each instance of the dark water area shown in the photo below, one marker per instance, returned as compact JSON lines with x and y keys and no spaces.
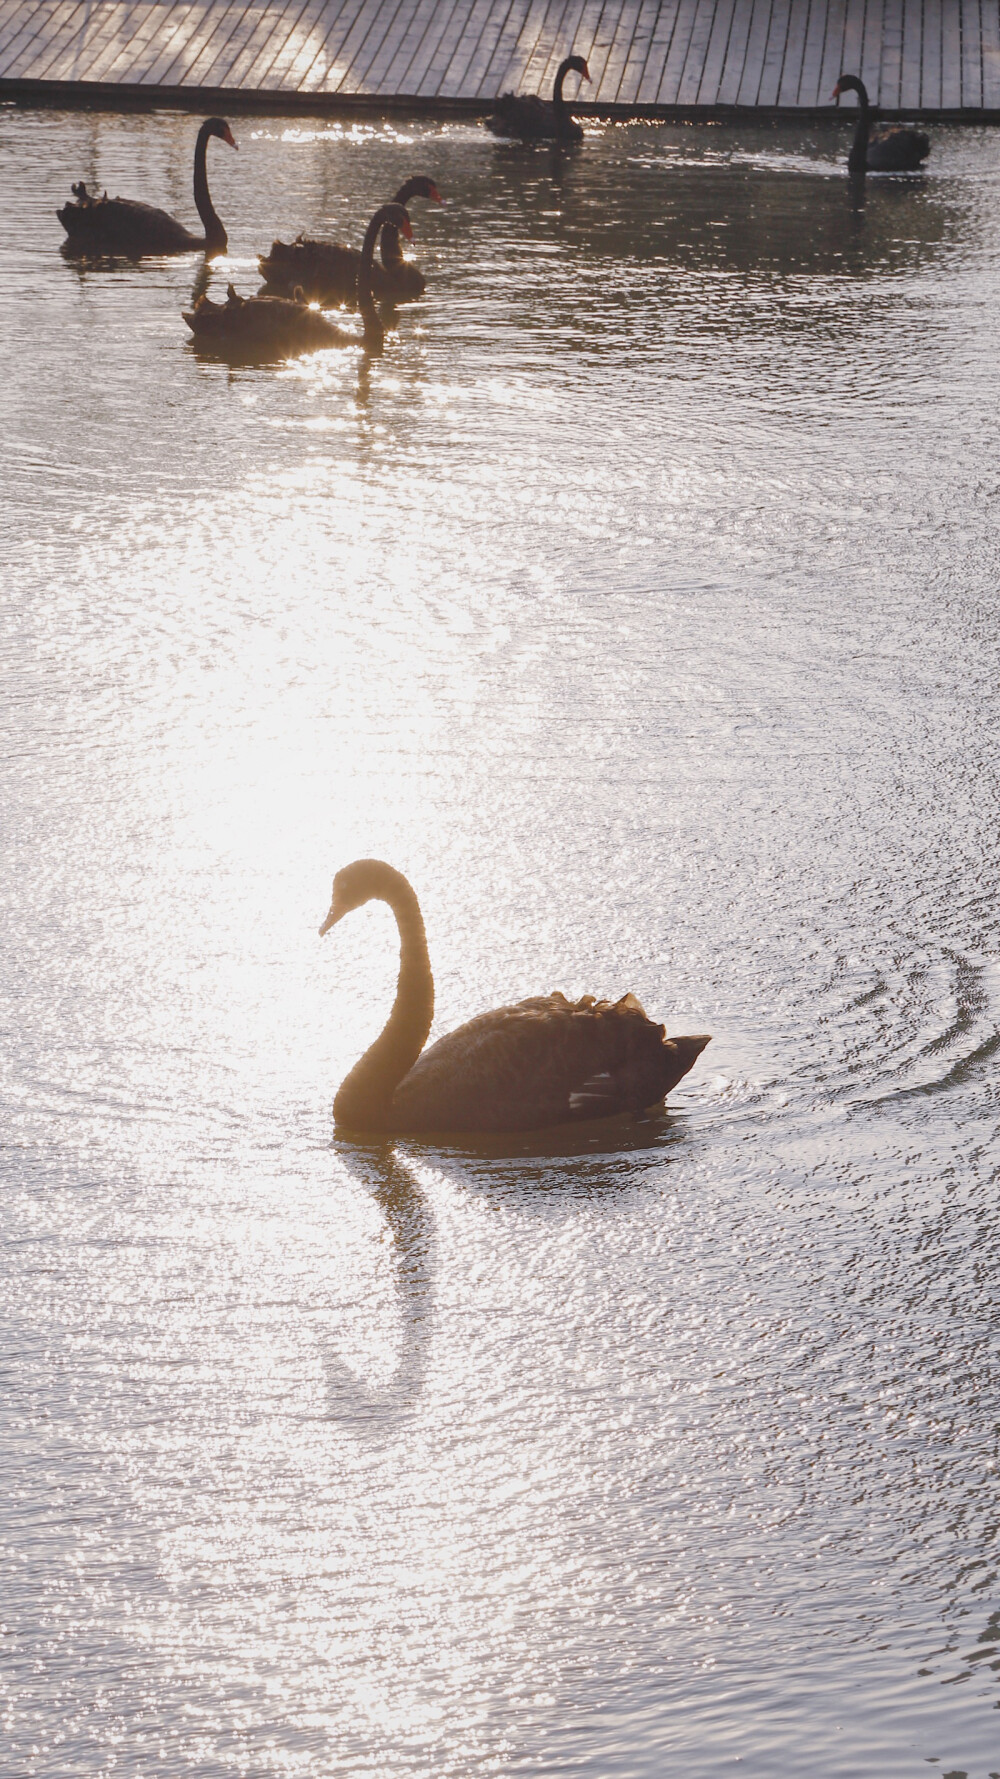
{"x":640,"y":604}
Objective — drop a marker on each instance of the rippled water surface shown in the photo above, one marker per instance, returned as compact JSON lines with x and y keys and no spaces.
{"x":641,"y":604}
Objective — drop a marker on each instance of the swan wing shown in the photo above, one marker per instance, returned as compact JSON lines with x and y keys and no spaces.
{"x":126,"y":222}
{"x":542,"y":1062}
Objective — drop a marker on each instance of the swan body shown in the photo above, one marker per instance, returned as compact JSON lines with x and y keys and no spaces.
{"x":897,"y":150}
{"x":540,"y":1062}
{"x":124,"y":225}
{"x":328,"y":270}
{"x":532,"y":119}
{"x":282,"y":326}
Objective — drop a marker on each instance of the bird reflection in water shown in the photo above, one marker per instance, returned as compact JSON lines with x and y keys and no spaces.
{"x":408,"y":1236}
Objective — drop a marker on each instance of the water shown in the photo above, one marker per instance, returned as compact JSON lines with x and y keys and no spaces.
{"x":640,"y":603}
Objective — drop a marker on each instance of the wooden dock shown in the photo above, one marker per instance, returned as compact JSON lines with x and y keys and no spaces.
{"x":647,"y":57}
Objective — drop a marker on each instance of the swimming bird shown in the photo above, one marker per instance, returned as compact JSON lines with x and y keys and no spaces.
{"x":283,"y":326}
{"x":898,"y":150}
{"x":540,"y":120}
{"x":328,"y":270}
{"x":124,"y":225}
{"x":541,"y":1062}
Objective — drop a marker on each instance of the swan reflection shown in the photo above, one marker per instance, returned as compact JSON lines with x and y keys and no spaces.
{"x":409,"y":1245}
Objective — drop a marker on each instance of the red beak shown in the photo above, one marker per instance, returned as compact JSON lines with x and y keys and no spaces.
{"x":436,"y":197}
{"x":407,"y":229}
{"x":230,"y":138}
{"x":586,"y":72}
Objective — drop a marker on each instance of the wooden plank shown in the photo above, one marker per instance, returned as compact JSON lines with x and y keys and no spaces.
{"x":951,"y":55}
{"x":676,"y":52}
{"x":438,"y":48}
{"x":73,"y":55}
{"x":716,"y":53}
{"x":527,"y":42}
{"x":870,"y":61}
{"x":833,"y":65}
{"x":493,"y":79}
{"x":773,"y":68}
{"x":328,"y":65}
{"x":396,"y":78}
{"x":643,"y":26}
{"x":374,"y":20}
{"x":603,"y":43}
{"x":218,"y":62}
{"x":795,"y":49}
{"x":614,"y":61}
{"x":694,"y":61}
{"x":56,"y":46}
{"x":263,"y":32}
{"x":930,"y":68}
{"x":167,"y":30}
{"x":275,"y":57}
{"x":892,"y":54}
{"x":31,"y":26}
{"x":971,"y":85}
{"x":124,"y":27}
{"x":376,"y":72}
{"x":811,"y":89}
{"x":736,"y":52}
{"x":913,"y":55}
{"x":648,"y":84}
{"x":193,"y":29}
{"x":565,"y":45}
{"x":486,"y":59}
{"x":753,"y":61}
{"x":123,"y":60}
{"x":991,"y":56}
{"x":854,"y":30}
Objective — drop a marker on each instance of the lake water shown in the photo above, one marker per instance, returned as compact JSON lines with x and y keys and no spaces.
{"x":641,"y":604}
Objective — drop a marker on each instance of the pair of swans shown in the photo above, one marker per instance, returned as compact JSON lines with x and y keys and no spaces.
{"x":541,"y":1062}
{"x":279,"y":325}
{"x":899,"y":150}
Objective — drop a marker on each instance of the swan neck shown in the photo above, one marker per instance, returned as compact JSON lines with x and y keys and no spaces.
{"x":559,"y":104}
{"x":374,"y":336}
{"x":858,"y":157}
{"x":364,"y":1100}
{"x":216,"y":239}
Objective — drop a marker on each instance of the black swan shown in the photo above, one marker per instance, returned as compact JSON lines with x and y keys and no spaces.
{"x":124,"y":225}
{"x":280,"y":326}
{"x":328,"y":271}
{"x":541,"y":1062}
{"x":891,"y":151}
{"x":540,"y":120}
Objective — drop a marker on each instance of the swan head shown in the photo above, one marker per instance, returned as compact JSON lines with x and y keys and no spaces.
{"x":217,"y":126}
{"x":849,"y":83}
{"x":578,"y":66}
{"x":353,"y":885}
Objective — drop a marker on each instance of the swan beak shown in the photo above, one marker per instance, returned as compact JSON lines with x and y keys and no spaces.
{"x":435,"y":195}
{"x":407,"y":229}
{"x":586,"y":72}
{"x":332,"y":918}
{"x":230,"y":138}
{"x":836,"y":93}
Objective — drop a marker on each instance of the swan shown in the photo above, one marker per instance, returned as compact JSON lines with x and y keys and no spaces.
{"x":542,"y":1062}
{"x":891,"y":151}
{"x":328,"y":271}
{"x":123,"y":225}
{"x":540,"y":120}
{"x":285,"y":325}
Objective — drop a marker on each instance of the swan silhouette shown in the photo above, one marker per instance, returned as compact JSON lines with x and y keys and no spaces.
{"x":540,"y":120}
{"x":124,"y":225}
{"x":281,"y":326}
{"x":328,"y":270}
{"x":541,"y":1062}
{"x":891,"y":151}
